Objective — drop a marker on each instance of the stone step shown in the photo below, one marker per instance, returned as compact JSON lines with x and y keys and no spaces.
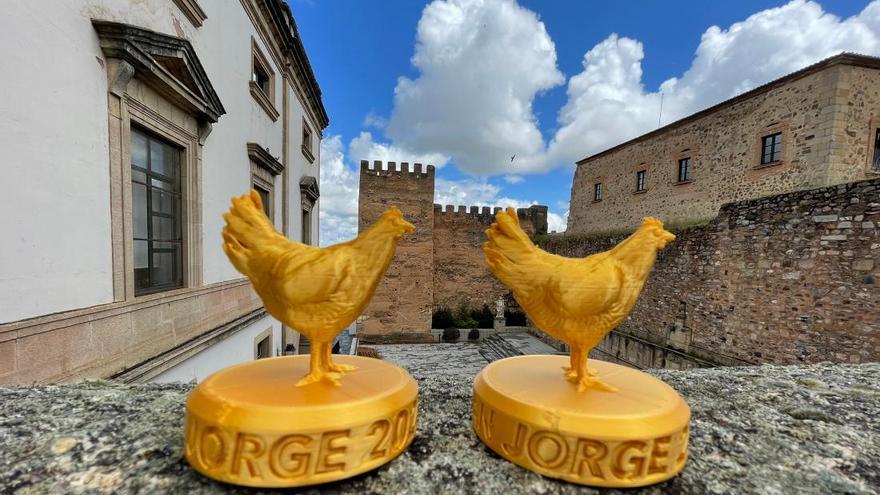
{"x":494,"y":347}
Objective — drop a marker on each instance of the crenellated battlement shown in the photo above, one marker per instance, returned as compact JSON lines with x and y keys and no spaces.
{"x":376,"y":168}
{"x":440,"y":264}
{"x":535,"y":215}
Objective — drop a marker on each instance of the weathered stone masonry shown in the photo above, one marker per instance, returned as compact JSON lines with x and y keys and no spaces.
{"x":460,"y":273}
{"x":441,"y":264}
{"x":828,"y":114}
{"x":402,"y":303}
{"x":793,"y":278}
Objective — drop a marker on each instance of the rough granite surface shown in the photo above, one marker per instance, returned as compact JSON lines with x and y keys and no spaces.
{"x":768,"y":429}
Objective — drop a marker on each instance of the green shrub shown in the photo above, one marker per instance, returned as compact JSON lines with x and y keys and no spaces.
{"x":442,"y":318}
{"x":483,"y":317}
{"x":463,"y":317}
{"x":451,"y":334}
{"x":474,"y":334}
{"x":515,"y":319}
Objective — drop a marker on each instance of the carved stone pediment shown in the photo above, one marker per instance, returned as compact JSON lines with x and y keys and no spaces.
{"x":308,"y":188}
{"x":262,"y":157}
{"x":167,"y":63}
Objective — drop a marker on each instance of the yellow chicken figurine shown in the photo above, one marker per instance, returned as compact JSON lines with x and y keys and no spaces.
{"x":317,"y":291}
{"x":576,"y":300}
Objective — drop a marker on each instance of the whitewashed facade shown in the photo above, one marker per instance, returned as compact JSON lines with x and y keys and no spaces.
{"x":222,"y":88}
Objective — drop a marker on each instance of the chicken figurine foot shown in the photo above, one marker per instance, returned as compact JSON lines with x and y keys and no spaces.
{"x":604,"y":425}
{"x":321,"y":367}
{"x":303,"y":420}
{"x":586,"y":378}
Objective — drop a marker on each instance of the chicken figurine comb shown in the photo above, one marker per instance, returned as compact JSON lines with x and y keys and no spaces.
{"x":606,"y":425}
{"x":303,"y":420}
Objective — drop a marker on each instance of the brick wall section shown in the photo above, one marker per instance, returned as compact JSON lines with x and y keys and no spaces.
{"x":460,"y":274}
{"x":826,"y":113}
{"x":401,"y":307}
{"x":785,"y":279}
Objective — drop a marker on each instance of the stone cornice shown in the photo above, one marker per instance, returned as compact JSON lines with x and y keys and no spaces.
{"x":308,"y":187}
{"x":193,"y":11}
{"x":167,"y":63}
{"x":263,"y":158}
{"x":150,"y":368}
{"x":285,"y":24}
{"x":264,"y":102}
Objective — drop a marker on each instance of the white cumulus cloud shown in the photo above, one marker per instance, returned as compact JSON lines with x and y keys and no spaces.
{"x":340,"y":178}
{"x":364,"y":148}
{"x":374,"y":120}
{"x":339,"y":194}
{"x":514,"y":179}
{"x":472,"y":192}
{"x":608,"y":103}
{"x":481,"y":64}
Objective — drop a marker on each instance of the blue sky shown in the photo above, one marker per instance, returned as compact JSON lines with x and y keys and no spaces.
{"x":489,"y":78}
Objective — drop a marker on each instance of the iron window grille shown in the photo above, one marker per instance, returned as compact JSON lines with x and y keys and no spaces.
{"x":156,"y":214}
{"x":597,"y":192}
{"x":260,"y":77}
{"x":771,"y":148}
{"x":307,"y":138}
{"x":264,"y":348}
{"x":265,"y":198}
{"x":640,"y":180}
{"x":875,"y":162}
{"x":684,"y":169}
{"x":306,"y":227}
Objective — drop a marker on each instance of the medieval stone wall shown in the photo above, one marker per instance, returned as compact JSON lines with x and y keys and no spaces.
{"x":792,"y":278}
{"x":461,"y":277}
{"x":440,"y":264}
{"x":401,"y":306}
{"x":855,"y":123}
{"x":825,"y":117}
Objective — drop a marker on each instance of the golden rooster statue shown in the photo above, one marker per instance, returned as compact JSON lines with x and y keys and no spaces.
{"x":317,"y":291}
{"x":576,"y":300}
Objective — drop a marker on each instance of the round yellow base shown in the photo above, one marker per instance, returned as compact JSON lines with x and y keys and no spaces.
{"x":526,"y":412}
{"x":250,"y":425}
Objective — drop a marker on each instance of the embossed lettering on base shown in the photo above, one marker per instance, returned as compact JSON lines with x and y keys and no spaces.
{"x":250,"y":425}
{"x":636,"y":436}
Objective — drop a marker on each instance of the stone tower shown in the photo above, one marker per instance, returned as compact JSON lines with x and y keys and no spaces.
{"x":400,"y":311}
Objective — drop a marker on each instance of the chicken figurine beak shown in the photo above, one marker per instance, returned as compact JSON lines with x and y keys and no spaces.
{"x":665,"y":238}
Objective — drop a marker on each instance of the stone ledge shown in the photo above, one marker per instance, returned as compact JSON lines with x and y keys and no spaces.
{"x":768,"y":429}
{"x":396,"y":338}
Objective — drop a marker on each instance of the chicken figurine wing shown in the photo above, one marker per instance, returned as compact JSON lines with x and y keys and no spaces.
{"x":317,"y":291}
{"x":575,"y":300}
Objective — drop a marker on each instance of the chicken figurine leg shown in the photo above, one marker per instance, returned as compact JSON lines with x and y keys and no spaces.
{"x":575,"y":300}
{"x":317,"y":291}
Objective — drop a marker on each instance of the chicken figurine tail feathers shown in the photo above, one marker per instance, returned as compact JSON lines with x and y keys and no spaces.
{"x":575,"y":300}
{"x":316,"y":291}
{"x":249,"y":236}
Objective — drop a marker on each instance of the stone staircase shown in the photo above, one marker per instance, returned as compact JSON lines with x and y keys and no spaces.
{"x":494,"y":347}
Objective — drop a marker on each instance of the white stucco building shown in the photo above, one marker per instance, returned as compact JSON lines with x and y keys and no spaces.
{"x":126,"y":127}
